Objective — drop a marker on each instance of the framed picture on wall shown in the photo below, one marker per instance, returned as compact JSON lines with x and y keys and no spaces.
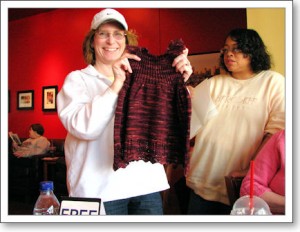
{"x":25,"y":100}
{"x":49,"y":98}
{"x":205,"y":64}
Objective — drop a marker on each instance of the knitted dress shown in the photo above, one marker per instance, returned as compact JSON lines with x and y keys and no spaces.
{"x":152,"y":119}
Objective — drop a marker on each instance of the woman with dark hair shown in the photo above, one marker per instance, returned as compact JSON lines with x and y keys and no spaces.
{"x":250,"y":44}
{"x":36,"y":144}
{"x":233,"y":115}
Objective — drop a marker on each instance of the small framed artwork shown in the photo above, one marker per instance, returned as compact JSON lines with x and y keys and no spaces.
{"x":49,"y":98}
{"x":25,"y":100}
{"x":206,"y":64}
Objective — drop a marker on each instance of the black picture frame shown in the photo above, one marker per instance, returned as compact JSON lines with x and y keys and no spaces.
{"x":49,"y":94}
{"x":25,"y":100}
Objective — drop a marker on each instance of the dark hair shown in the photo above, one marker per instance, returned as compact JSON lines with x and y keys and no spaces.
{"x":251,"y":44}
{"x":87,"y":46}
{"x":38,"y":128}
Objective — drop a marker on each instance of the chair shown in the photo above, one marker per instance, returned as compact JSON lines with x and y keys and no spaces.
{"x":24,"y":175}
{"x":57,"y":173}
{"x":233,"y":185}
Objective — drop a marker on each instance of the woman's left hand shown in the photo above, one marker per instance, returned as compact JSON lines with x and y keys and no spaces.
{"x":183,"y":65}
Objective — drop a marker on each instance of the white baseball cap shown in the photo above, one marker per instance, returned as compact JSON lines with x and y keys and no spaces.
{"x":108,"y":14}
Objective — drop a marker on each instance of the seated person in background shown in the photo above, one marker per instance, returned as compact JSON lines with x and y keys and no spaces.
{"x":269,"y":174}
{"x":36,"y":144}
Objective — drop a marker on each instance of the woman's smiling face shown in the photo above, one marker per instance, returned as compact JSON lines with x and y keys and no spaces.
{"x":109,"y":43}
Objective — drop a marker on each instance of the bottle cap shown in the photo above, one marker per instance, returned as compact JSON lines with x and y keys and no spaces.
{"x":46,"y":185}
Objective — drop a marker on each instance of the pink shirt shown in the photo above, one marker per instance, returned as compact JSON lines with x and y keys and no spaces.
{"x":269,"y":169}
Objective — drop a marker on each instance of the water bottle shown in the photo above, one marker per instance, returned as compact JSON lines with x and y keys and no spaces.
{"x":47,"y":203}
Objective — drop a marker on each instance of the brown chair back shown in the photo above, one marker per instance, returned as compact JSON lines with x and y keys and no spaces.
{"x":233,"y":185}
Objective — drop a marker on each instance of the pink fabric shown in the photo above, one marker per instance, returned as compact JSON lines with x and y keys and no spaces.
{"x":269,"y":171}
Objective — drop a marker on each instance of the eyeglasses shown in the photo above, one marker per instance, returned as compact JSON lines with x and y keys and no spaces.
{"x":233,"y":50}
{"x":116,"y":35}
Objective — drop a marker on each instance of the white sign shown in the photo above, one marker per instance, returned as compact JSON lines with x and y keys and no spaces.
{"x":80,"y":206}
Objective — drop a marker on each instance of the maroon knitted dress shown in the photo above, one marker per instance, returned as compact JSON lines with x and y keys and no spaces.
{"x":152,"y":119}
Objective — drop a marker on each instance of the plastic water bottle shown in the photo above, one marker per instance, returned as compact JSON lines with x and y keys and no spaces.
{"x":47,"y":203}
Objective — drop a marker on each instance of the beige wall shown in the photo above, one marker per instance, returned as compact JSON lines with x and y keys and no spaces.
{"x":270,"y":24}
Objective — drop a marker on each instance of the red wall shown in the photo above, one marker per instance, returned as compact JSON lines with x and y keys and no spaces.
{"x":44,"y":48}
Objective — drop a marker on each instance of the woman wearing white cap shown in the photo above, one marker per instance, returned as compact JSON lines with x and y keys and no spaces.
{"x":86,"y":107}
